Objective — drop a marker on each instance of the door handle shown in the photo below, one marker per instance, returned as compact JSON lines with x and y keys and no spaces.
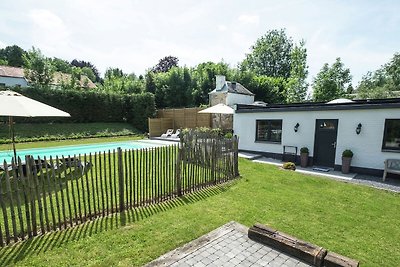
{"x":334,"y":144}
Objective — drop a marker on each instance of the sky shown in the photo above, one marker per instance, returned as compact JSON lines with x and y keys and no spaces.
{"x":135,"y":35}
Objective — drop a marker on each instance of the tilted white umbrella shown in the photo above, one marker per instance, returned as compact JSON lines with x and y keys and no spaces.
{"x":13,"y":104}
{"x":218,"y":109}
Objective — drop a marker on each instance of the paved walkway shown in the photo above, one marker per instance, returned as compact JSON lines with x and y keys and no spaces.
{"x":391,"y":184}
{"x":228,"y":245}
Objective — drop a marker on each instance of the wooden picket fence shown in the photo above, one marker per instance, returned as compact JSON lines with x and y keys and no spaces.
{"x":49,"y":194}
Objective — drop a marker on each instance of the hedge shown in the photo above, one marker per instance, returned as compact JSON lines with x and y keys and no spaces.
{"x":94,"y":106}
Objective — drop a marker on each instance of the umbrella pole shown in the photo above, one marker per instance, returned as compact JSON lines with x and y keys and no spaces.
{"x":13,"y":137}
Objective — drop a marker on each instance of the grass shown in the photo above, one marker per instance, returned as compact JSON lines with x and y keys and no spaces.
{"x":29,"y":132}
{"x":353,"y":220}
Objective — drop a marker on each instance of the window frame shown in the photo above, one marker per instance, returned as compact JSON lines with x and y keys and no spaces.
{"x":385,"y":132}
{"x":269,"y":122}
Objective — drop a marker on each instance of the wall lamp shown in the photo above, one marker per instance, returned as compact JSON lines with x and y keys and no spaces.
{"x":296,"y":127}
{"x":358,"y":129}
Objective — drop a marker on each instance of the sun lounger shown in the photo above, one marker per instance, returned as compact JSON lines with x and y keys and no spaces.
{"x":176,"y":134}
{"x":168,"y":133}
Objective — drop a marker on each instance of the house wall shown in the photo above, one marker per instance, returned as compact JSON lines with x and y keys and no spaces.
{"x":367,"y":146}
{"x":10,"y":81}
{"x":232,"y":99}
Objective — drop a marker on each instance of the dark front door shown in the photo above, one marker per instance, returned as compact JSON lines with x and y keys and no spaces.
{"x":325,"y":142}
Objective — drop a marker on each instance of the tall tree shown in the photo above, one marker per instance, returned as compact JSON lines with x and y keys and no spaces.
{"x":61,"y":65}
{"x":270,"y":55}
{"x":38,"y":69}
{"x":81,"y":64}
{"x":13,"y":55}
{"x":332,"y":82}
{"x":382,"y":83}
{"x":296,"y":86}
{"x":165,"y":64}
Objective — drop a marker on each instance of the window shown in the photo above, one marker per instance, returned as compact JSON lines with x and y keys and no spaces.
{"x":391,"y":136}
{"x":269,"y":130}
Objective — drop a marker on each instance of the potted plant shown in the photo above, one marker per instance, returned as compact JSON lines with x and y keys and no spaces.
{"x":347,"y":155}
{"x":304,"y":157}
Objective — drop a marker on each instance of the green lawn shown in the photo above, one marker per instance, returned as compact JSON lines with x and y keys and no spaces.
{"x":27,"y":132}
{"x":353,"y":220}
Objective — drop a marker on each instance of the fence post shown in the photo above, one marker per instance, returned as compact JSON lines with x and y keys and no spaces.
{"x":178,"y":165}
{"x":120,"y":180}
{"x":236,"y":155}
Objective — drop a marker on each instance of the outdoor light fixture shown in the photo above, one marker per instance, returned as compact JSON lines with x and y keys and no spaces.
{"x":296,"y":127}
{"x":358,"y":129}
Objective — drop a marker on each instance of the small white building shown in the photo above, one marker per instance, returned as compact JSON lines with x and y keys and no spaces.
{"x":370,"y":128}
{"x":230,"y":94}
{"x":12,"y":76}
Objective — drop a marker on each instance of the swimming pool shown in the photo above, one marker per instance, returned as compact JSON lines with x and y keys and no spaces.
{"x":74,"y":150}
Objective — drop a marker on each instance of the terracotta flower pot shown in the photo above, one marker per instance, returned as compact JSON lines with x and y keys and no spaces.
{"x":304,"y":160}
{"x":346,"y":162}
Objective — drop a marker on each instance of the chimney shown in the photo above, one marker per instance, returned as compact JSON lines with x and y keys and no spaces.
{"x":219,"y":82}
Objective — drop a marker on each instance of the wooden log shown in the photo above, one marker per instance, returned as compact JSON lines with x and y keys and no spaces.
{"x":105,"y":183}
{"x":178,"y":173}
{"x":51,"y":187}
{"x":126,"y":175}
{"x":81,"y":176}
{"x":110,"y":178}
{"x":1,"y":237}
{"x":45,"y":192}
{"x":38,"y":194}
{"x":11,"y":201}
{"x":57,"y":184}
{"x":101,"y":175}
{"x":335,"y":260}
{"x":97,"y":182}
{"x":31,"y":186}
{"x":67,"y":191}
{"x":302,"y":250}
{"x":87,"y":165}
{"x":75,"y":174}
{"x":73,"y":195}
{"x":4,"y":207}
{"x":131,"y":179}
{"x":93,"y":186}
{"x":121,"y":180}
{"x":115,"y":187}
{"x":25,"y":189}
{"x":18,"y":198}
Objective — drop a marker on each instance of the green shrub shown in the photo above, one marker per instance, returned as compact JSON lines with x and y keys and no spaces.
{"x":289,"y":166}
{"x":304,"y":150}
{"x":347,"y":153}
{"x":94,"y":106}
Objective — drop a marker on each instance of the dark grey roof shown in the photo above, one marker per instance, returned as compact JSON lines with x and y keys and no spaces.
{"x":233,"y":87}
{"x":316,"y":106}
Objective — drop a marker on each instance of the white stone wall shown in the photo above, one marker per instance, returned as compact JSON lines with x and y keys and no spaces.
{"x":367,"y":146}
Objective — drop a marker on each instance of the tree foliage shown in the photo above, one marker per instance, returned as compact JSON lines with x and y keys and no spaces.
{"x":115,"y":80}
{"x":296,"y":85}
{"x":12,"y":55}
{"x":82,"y":64}
{"x":38,"y":69}
{"x":270,"y":55}
{"x":332,"y":82}
{"x":61,"y":65}
{"x":165,"y":64}
{"x":382,"y":83}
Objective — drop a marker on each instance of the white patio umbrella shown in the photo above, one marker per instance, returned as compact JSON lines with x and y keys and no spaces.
{"x":13,"y":104}
{"x":218,"y":109}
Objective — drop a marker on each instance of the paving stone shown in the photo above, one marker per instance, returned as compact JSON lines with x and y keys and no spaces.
{"x":226,"y":246}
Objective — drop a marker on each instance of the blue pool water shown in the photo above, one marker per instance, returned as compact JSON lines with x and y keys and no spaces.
{"x":72,"y":150}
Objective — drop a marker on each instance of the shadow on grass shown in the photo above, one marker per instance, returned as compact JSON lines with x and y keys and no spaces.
{"x":12,"y":254}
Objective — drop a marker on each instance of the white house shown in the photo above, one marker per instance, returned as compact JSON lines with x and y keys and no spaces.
{"x":370,"y":128}
{"x":228,"y":93}
{"x":12,"y":76}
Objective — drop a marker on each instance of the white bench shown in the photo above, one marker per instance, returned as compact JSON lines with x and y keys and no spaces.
{"x":391,"y":166}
